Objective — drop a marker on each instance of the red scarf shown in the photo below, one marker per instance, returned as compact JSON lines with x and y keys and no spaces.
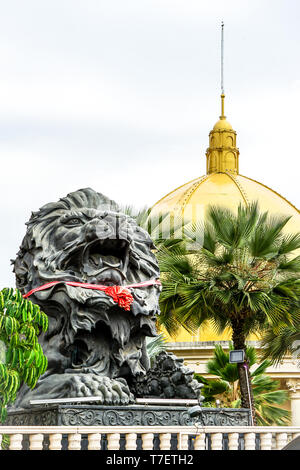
{"x":121,"y":295}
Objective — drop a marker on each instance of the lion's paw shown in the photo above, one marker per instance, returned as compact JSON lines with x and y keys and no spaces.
{"x":109,"y":391}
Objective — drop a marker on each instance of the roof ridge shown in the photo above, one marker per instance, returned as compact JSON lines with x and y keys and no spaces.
{"x":239,"y":186}
{"x":273,"y":191}
{"x":188,"y":193}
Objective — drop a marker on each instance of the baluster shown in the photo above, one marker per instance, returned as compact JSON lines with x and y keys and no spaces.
{"x":36,"y":441}
{"x":233,"y":441}
{"x":113,"y":441}
{"x":250,"y":441}
{"x":130,"y":441}
{"x":147,"y":440}
{"x":281,"y":440}
{"x":55,"y":441}
{"x":165,"y":441}
{"x":216,"y":441}
{"x":94,"y":441}
{"x":266,"y":441}
{"x":74,"y":441}
{"x":15,"y":442}
{"x":199,"y":443}
{"x":183,"y":441}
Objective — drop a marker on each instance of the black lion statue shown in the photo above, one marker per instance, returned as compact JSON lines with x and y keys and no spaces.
{"x":96,"y":340}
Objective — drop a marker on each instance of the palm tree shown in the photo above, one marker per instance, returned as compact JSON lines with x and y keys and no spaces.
{"x":243,"y":277}
{"x":266,"y":393}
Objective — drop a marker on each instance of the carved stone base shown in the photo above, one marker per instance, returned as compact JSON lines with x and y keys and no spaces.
{"x":131,"y":415}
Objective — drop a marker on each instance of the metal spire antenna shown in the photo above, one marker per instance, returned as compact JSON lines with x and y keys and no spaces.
{"x":222,"y":71}
{"x":222,"y":58}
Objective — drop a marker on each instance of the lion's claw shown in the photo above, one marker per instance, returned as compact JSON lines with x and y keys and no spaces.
{"x":111,"y":391}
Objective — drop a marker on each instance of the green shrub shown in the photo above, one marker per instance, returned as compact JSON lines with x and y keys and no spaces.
{"x":21,"y":356}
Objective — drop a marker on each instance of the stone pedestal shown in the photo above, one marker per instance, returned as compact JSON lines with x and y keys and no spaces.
{"x":131,"y":415}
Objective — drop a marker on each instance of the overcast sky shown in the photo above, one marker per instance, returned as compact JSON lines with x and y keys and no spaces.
{"x":120,"y":95}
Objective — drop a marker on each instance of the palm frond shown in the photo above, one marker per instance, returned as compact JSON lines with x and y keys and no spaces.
{"x":265,"y":242}
{"x":156,"y":345}
{"x":289,"y":243}
{"x":292,"y":265}
{"x":261,"y":369}
{"x":280,"y":341}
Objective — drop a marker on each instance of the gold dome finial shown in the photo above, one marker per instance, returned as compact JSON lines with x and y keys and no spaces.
{"x":222,"y":107}
{"x":222,"y":154}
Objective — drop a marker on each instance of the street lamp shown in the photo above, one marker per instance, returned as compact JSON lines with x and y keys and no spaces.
{"x":236,"y":356}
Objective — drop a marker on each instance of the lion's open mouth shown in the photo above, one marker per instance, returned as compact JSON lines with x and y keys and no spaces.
{"x":102,"y":261}
{"x":111,"y":253}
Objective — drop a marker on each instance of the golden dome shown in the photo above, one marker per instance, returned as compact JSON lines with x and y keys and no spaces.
{"x":224,"y":186}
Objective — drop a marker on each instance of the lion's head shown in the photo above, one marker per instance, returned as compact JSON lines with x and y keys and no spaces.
{"x":85,"y":238}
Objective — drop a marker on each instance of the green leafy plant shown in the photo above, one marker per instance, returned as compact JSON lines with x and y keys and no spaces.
{"x":22,"y":359}
{"x":268,"y":398}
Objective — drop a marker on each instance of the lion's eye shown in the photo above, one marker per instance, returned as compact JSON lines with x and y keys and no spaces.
{"x":73,"y":221}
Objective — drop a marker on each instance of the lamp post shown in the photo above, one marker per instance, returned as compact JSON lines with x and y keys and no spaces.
{"x":237,"y":356}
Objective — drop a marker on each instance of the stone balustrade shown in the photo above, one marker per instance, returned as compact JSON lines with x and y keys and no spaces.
{"x":148,"y":437}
